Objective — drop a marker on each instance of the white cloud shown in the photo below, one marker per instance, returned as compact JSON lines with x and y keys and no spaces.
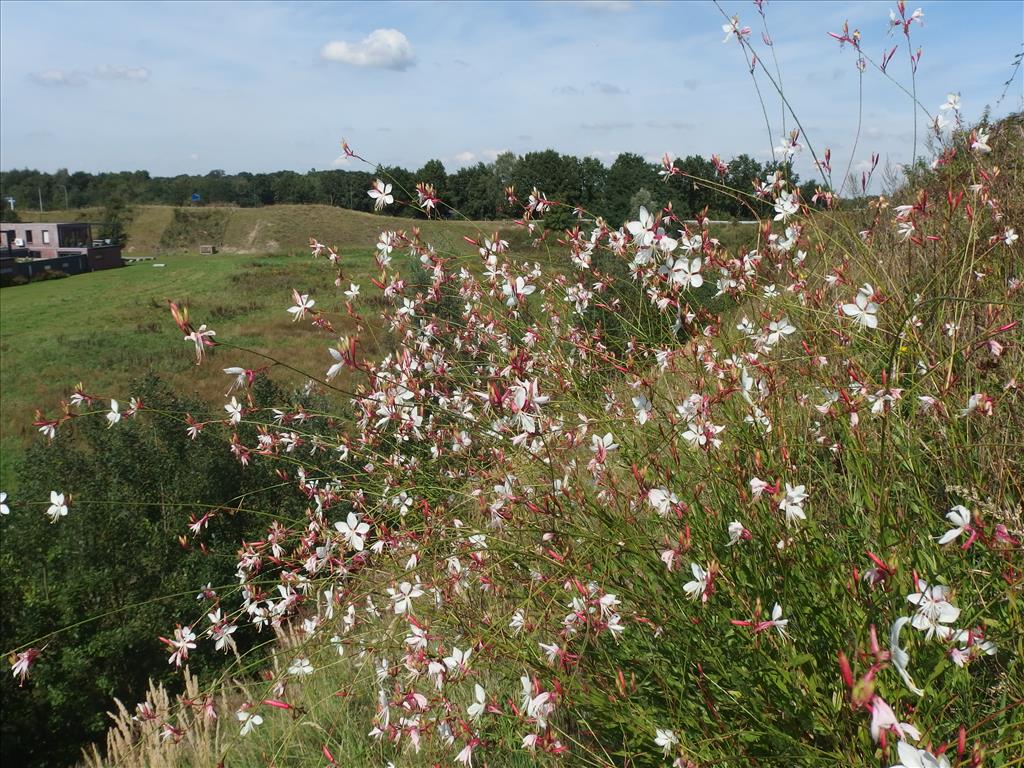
{"x":464,"y":158}
{"x":342,"y":161}
{"x":383,"y":48}
{"x":121,"y":72}
{"x":58,"y":77}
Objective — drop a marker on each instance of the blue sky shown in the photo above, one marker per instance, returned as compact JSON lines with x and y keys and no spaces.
{"x":189,"y":87}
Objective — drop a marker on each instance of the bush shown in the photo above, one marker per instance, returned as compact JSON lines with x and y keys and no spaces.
{"x":111,"y":571}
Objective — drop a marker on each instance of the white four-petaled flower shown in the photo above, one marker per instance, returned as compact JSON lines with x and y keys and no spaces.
{"x":234,"y":410}
{"x":863,"y":309}
{"x":381,"y":194}
{"x":249,"y":720}
{"x":58,"y":508}
{"x":934,"y":610}
{"x":302,"y":304}
{"x":666,"y":739}
{"x":353,"y":531}
{"x":793,"y":503}
{"x":699,"y":586}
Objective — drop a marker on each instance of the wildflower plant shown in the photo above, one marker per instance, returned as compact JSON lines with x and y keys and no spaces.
{"x":636,"y":497}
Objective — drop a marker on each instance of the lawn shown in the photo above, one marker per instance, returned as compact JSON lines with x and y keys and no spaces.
{"x":106,"y":328}
{"x":276,"y":228}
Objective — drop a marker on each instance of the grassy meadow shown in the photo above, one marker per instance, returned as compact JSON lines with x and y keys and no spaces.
{"x":273,"y":229}
{"x":105,"y":328}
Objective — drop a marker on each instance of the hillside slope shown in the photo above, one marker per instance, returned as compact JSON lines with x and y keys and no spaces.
{"x":156,"y":229}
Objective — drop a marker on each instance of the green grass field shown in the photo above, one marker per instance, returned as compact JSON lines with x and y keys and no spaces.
{"x":105,"y":328}
{"x":276,"y":228}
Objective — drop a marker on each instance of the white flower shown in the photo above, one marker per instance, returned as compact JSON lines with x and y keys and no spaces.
{"x":114,"y":415}
{"x":479,"y":705}
{"x":601,"y":445}
{"x":913,"y":757}
{"x":736,"y":531}
{"x":757,"y":486}
{"x":241,"y":377}
{"x":516,"y":291}
{"x":403,"y":596}
{"x":699,"y":586}
{"x":960,"y":517}
{"x":57,"y":508}
{"x":684,"y":273}
{"x":552,"y":651}
{"x":933,"y":610}
{"x":778,"y":330}
{"x":642,"y":230}
{"x":733,"y":28}
{"x":642,"y":407}
{"x":517,"y":622}
{"x":302,"y":304}
{"x":234,"y":410}
{"x":900,"y":658}
{"x":863,"y":310}
{"x":458,"y":661}
{"x":354,"y":531}
{"x":339,"y":363}
{"x":793,"y":503}
{"x":952,"y":102}
{"x":971,"y":645}
{"x":662,"y":500}
{"x":301,"y":667}
{"x":381,"y":194}
{"x":666,"y":739}
{"x":4,"y":509}
{"x":249,"y":721}
{"x":788,"y":147}
{"x":786,"y":206}
{"x":777,"y":621}
{"x":980,"y":143}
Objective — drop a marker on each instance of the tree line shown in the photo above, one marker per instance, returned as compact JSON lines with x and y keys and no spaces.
{"x":478,"y":191}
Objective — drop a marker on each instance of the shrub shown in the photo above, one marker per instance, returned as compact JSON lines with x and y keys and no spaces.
{"x":114,"y":567}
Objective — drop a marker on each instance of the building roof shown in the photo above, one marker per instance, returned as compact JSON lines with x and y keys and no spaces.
{"x":12,"y":224}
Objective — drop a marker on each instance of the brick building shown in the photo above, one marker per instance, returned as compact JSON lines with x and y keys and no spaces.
{"x":71,"y":240}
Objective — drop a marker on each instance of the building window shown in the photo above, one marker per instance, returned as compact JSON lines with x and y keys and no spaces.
{"x":46,"y":237}
{"x":73,"y":236}
{"x":28,"y":235}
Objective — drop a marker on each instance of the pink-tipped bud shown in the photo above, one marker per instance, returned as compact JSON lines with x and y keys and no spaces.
{"x":845,"y":672}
